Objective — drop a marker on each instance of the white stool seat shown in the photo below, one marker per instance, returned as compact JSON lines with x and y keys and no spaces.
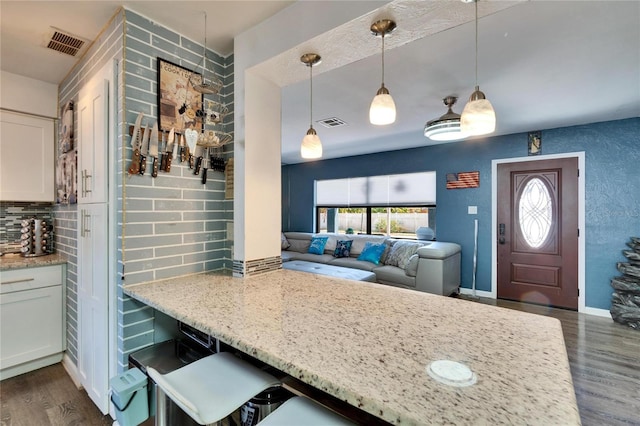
{"x":298,"y":411}
{"x":213,"y":387}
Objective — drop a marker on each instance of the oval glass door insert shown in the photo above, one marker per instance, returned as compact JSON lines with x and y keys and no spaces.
{"x":535,"y":213}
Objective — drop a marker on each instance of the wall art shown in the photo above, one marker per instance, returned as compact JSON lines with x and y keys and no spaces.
{"x":463,"y":180}
{"x":178,"y":103}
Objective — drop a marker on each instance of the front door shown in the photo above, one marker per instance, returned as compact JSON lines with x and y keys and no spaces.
{"x":538,"y":232}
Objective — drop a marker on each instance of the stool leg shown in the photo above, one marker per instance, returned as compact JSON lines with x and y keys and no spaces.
{"x":161,"y":407}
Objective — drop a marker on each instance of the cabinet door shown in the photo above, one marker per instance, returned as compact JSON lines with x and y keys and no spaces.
{"x":93,"y":303}
{"x":31,"y":325}
{"x":26,"y":158}
{"x":93,"y":134}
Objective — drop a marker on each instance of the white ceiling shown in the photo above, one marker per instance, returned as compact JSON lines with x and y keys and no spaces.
{"x":542,"y":64}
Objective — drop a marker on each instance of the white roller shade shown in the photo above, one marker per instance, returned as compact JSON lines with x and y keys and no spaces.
{"x":386,"y":190}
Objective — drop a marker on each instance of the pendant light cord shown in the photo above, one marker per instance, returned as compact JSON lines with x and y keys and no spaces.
{"x":476,"y":3}
{"x":383,"y":58}
{"x":311,"y":95}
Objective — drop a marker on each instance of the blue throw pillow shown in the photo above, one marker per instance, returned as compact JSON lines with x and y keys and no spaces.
{"x":372,"y":252}
{"x":343,"y":248}
{"x":317,"y":245}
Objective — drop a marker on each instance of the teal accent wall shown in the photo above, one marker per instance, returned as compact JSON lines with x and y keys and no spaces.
{"x":612,"y":180}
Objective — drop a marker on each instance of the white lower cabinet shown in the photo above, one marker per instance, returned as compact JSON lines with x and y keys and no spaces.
{"x":32,"y":323}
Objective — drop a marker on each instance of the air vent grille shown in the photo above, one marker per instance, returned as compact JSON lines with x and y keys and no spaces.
{"x":332,"y":122}
{"x":65,"y":43}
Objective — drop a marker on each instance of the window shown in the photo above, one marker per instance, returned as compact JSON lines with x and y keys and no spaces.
{"x":394,"y":205}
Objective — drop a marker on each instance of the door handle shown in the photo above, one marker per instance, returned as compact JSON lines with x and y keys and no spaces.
{"x":501,"y":238}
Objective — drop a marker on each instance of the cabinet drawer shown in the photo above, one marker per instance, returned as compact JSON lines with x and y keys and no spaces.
{"x":31,"y":326}
{"x":30,"y":278}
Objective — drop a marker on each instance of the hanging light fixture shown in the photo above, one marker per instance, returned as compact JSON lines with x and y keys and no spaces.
{"x":383,"y":109}
{"x":447,"y":127}
{"x":199,"y":83}
{"x":478,"y":116}
{"x":311,"y":147}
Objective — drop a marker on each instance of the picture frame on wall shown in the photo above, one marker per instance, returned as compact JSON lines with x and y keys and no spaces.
{"x":66,"y":128}
{"x":178,"y":102}
{"x":534,"y":144}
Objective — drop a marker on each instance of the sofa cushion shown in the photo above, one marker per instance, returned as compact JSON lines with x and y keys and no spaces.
{"x":343,"y":248}
{"x":372,"y":252}
{"x":317,"y":245}
{"x":388,"y":244}
{"x":284,"y":243}
{"x":394,"y":276}
{"x":350,"y":262}
{"x":301,"y":246}
{"x":401,"y":252}
{"x":412,"y":266}
{"x":318,"y":258}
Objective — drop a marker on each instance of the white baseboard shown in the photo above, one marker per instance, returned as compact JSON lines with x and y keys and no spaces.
{"x":597,"y":312}
{"x":72,"y":371}
{"x":479,"y":293}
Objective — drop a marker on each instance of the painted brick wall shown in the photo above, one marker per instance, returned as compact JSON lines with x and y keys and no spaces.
{"x":173,"y":224}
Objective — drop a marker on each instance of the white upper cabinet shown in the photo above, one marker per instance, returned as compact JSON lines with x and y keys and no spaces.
{"x":26,"y":157}
{"x":93,"y":104}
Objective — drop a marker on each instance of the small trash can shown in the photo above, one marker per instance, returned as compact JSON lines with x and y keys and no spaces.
{"x":129,"y":397}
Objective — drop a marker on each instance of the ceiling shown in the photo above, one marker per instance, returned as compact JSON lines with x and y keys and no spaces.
{"x":542,"y":64}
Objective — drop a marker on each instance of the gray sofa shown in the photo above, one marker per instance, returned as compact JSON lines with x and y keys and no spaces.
{"x":433,"y":267}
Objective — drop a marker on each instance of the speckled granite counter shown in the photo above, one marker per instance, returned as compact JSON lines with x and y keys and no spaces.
{"x":369,"y":344}
{"x":15,"y":261}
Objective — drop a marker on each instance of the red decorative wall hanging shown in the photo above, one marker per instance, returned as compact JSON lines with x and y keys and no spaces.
{"x":463,"y":180}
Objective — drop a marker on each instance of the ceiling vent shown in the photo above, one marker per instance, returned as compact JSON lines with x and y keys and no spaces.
{"x":64,"y":42}
{"x":332,"y":122}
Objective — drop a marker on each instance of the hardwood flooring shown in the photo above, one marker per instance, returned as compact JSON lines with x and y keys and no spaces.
{"x":604,"y":358}
{"x":47,"y":397}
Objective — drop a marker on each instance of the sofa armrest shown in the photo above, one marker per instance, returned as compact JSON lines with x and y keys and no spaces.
{"x":439,"y":268}
{"x":439,"y":250}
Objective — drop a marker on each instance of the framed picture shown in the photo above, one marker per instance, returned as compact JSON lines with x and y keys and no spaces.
{"x":178,"y":103}
{"x":535,"y":143}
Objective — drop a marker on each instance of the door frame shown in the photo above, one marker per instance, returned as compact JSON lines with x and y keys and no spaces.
{"x":580,"y":155}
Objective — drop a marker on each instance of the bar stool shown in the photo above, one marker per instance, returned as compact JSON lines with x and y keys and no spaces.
{"x":299,"y":410}
{"x":213,"y":387}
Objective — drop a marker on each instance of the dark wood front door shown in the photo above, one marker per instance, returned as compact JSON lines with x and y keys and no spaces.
{"x":538,"y":232}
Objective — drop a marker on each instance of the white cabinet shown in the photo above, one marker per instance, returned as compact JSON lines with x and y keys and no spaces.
{"x":32,"y":323}
{"x":26,"y":158}
{"x":93,"y":109}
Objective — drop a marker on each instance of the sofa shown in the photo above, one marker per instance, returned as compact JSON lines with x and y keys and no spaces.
{"x":428,"y":266}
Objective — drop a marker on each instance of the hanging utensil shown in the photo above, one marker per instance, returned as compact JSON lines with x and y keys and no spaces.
{"x":134,"y":167}
{"x":153,"y":149}
{"x":144,"y":149}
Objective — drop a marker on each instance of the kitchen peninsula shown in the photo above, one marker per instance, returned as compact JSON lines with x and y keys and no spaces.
{"x":370,"y":344}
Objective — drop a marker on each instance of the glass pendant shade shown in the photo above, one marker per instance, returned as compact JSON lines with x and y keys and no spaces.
{"x":311,"y":147}
{"x":383,"y":109}
{"x":478,"y":117}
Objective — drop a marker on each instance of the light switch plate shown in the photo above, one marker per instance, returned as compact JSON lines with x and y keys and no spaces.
{"x":472,"y":210}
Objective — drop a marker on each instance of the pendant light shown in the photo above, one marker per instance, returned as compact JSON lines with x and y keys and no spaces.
{"x":311,"y":147}
{"x":478,"y":116}
{"x":383,"y":109}
{"x":201,"y":85}
{"x":447,"y":127}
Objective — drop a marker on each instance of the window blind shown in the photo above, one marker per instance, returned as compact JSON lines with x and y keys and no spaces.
{"x":386,"y":190}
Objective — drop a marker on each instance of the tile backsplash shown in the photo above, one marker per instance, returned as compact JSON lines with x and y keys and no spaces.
{"x":12,"y":213}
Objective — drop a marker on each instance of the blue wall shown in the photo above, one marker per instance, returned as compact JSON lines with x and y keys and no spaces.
{"x":612,"y":178}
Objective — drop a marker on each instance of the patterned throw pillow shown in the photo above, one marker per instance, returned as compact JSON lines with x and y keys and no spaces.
{"x":317,"y":245}
{"x":401,"y":252}
{"x":343,"y":248}
{"x":387,"y":249}
{"x":284,"y":243}
{"x":372,"y":252}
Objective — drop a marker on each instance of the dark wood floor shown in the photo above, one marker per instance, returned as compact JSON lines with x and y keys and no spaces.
{"x":604,"y":359}
{"x":47,"y":397}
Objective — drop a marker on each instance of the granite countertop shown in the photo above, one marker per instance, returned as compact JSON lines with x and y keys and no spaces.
{"x":369,"y":344}
{"x":16,"y":261}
